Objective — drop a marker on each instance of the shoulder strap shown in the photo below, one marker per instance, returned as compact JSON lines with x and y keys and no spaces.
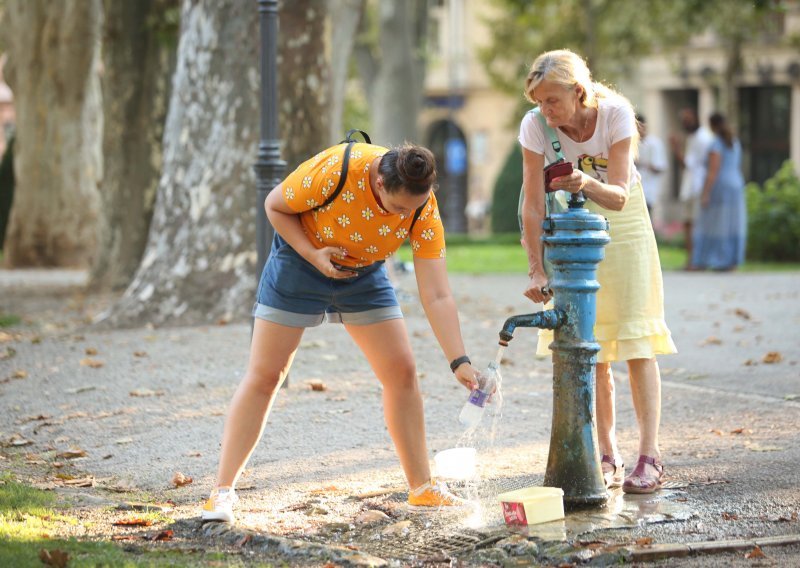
{"x":417,"y":213}
{"x":349,"y":140}
{"x":551,"y":134}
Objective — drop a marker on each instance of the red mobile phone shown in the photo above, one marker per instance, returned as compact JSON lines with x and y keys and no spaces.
{"x":554,"y":170}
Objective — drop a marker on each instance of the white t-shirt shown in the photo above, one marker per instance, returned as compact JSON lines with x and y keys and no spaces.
{"x":651,"y":155}
{"x":615,"y":122}
{"x":694,"y":176}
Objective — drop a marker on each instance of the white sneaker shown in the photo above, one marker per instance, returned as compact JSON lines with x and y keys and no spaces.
{"x":219,"y":506}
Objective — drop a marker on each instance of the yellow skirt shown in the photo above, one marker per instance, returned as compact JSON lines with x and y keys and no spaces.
{"x":630,"y":303}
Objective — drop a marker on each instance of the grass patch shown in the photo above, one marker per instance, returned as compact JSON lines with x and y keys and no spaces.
{"x":29,"y":520}
{"x":502,"y":254}
{"x":7,"y":320}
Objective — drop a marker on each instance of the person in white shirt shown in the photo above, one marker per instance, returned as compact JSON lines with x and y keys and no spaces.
{"x":692,"y":158}
{"x":651,"y":164}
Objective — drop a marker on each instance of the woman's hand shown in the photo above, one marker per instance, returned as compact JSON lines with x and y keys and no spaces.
{"x":572,"y":183}
{"x":467,"y":376}
{"x":538,"y":289}
{"x":321,"y":259}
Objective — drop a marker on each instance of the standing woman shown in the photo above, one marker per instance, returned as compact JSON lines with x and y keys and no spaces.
{"x":720,"y":234}
{"x":597,"y":132}
{"x":327,"y":259}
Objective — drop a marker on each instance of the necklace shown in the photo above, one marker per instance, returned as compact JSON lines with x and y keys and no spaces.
{"x":582,"y":134}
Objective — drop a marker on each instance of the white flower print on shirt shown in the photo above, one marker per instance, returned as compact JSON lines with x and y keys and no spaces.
{"x":307,"y":182}
{"x":401,"y":233}
{"x":367,"y":213}
{"x":362,"y":185}
{"x":348,"y":196}
{"x":328,"y":232}
{"x":311,"y":202}
{"x":371,"y":249}
{"x":442,"y":253}
{"x":288,"y":193}
{"x":343,"y":220}
{"x":384,"y":230}
{"x":415,"y":245}
{"x":355,"y":154}
{"x":428,"y":234}
{"x":356,"y":237}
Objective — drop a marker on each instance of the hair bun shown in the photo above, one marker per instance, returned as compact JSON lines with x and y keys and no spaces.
{"x":416,"y":164}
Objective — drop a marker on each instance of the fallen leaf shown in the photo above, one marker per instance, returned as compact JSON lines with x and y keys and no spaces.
{"x":750,"y":363}
{"x":711,"y":340}
{"x":19,"y":374}
{"x":244,"y":540}
{"x":123,"y":441}
{"x":717,"y":432}
{"x":90,"y":351}
{"x":71,"y":453}
{"x":146,"y":392}
{"x":791,"y":397}
{"x":317,"y":385}
{"x":140,"y":353}
{"x":92,"y":363}
{"x":55,"y":557}
{"x":772,"y":357}
{"x":593,"y":544}
{"x":741,"y":431}
{"x":160,"y":536}
{"x":18,"y":441}
{"x":755,"y":553}
{"x":79,"y":390}
{"x":82,"y":482}
{"x":123,"y":537}
{"x":760,"y":448}
{"x":742,"y":313}
{"x":644,"y":541}
{"x":324,"y":490}
{"x":729,"y":516}
{"x":194,"y":455}
{"x":401,"y":528}
{"x":371,"y":516}
{"x":179,"y":479}
{"x":133,"y":522}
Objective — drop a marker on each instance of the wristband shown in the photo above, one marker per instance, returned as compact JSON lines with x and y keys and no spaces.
{"x":456,"y":363}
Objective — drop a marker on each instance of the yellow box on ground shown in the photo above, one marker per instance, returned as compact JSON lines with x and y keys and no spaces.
{"x":532,"y":505}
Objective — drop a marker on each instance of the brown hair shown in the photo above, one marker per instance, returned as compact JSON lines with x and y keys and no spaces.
{"x":720,"y":127}
{"x":409,"y":167}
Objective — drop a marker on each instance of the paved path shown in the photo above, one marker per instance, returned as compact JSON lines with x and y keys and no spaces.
{"x":154,"y":403}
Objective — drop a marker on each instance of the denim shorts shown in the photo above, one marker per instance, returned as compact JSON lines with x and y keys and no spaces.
{"x":294,"y":293}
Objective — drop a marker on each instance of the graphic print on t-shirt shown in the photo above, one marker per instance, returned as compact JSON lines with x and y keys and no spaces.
{"x":595,"y":166}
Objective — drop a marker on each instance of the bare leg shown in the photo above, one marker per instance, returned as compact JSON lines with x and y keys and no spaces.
{"x":402,"y":400}
{"x":646,"y":390}
{"x":605,"y":410}
{"x":272,"y":350}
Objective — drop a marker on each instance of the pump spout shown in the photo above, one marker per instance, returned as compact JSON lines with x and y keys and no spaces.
{"x":547,"y":319}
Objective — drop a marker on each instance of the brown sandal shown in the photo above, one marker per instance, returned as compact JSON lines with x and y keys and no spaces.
{"x":613,"y":478}
{"x":639,"y":481}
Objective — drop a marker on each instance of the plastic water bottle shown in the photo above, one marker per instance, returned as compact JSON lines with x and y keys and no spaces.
{"x":472,"y":412}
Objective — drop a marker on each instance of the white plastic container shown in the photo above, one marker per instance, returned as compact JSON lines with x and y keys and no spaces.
{"x":532,"y":505}
{"x":455,"y":463}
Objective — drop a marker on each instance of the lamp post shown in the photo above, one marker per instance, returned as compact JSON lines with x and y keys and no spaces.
{"x":269,"y":167}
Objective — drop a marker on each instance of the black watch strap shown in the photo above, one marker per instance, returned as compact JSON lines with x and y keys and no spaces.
{"x":457,"y":362}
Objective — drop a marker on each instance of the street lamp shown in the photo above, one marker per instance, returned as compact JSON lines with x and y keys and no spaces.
{"x":269,"y":167}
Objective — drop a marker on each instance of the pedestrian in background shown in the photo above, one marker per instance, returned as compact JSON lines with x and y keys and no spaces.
{"x":720,"y":234}
{"x":327,"y":261}
{"x":692,"y":158}
{"x":651,"y":163}
{"x":596,"y":130}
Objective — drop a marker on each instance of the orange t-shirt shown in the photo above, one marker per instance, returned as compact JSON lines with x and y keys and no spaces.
{"x":354,"y":221}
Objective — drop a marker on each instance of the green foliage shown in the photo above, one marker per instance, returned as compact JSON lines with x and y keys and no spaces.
{"x":774,"y":217}
{"x":505,"y":198}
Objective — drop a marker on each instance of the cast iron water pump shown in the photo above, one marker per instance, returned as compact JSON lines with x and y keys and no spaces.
{"x":574,"y":242}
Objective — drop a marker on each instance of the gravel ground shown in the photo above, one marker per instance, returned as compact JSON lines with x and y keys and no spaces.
{"x":143,"y":404}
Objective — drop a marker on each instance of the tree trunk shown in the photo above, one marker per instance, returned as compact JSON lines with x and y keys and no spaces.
{"x":138,"y":61}
{"x":200,"y":257}
{"x":396,"y":103}
{"x":303,"y":80}
{"x":345,"y":18}
{"x":52,"y":68}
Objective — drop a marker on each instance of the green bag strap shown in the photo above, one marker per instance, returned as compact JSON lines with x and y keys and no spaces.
{"x":551,"y":134}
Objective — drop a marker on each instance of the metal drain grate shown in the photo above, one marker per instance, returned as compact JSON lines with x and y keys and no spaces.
{"x":439,"y":547}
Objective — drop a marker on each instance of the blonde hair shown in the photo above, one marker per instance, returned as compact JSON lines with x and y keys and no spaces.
{"x":568,"y":69}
